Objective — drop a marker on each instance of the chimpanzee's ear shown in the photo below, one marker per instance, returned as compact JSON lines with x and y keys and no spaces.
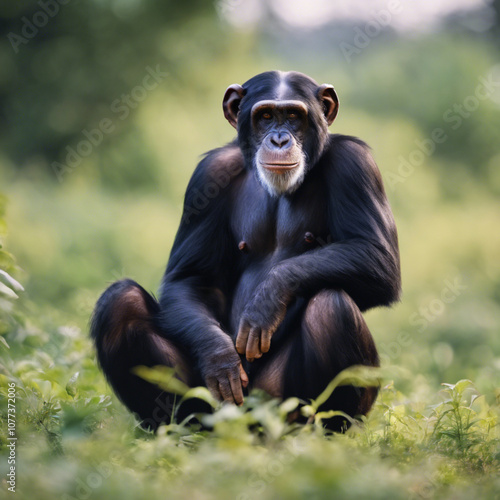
{"x":231,"y":103}
{"x":328,"y":97}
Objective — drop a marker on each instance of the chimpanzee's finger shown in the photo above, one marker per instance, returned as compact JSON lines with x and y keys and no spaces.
{"x":235,"y":382}
{"x":225,"y":390}
{"x":253,"y":344}
{"x":265,"y":340}
{"x":242,"y":338}
{"x":243,"y":376}
{"x":213,"y":387}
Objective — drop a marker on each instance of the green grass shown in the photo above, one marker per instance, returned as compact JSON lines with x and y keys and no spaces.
{"x":75,"y":440}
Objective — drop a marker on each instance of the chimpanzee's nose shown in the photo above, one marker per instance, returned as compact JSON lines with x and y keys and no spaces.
{"x":280,"y":139}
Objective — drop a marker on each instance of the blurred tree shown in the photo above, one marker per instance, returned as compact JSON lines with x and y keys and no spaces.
{"x":67,"y":65}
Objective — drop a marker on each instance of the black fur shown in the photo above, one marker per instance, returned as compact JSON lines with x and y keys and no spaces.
{"x":312,"y":288}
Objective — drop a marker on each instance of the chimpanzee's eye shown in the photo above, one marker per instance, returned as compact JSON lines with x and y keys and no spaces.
{"x":293,"y":116}
{"x":266,"y":116}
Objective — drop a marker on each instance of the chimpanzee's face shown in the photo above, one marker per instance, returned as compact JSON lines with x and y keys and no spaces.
{"x":282,"y":121}
{"x":278,"y":128}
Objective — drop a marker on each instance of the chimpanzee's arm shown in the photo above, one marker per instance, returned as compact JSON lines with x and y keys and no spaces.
{"x":198,"y":258}
{"x":363,"y":260}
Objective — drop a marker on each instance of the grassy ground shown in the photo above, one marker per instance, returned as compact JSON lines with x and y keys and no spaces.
{"x":76,"y":441}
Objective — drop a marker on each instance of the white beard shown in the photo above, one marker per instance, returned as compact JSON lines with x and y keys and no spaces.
{"x":278,"y":184}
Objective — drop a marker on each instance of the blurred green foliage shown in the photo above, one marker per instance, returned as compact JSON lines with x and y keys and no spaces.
{"x":115,"y":212}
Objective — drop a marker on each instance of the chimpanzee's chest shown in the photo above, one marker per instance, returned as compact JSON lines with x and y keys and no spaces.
{"x":280,"y":226}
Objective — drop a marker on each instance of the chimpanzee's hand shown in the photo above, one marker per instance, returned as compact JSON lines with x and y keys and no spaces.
{"x":223,"y":373}
{"x":259,"y":321}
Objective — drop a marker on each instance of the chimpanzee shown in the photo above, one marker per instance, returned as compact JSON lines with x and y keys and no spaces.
{"x":286,"y":237}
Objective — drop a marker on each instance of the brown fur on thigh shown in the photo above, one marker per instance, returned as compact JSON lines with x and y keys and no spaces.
{"x":270,"y":377}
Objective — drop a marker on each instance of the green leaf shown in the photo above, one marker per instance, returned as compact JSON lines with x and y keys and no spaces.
{"x":357,"y":376}
{"x":201,"y":393}
{"x":289,"y":405}
{"x":307,"y":411}
{"x":15,"y":285}
{"x":71,"y":385}
{"x":163,"y":377}
{"x":4,"y":342}
{"x":7,"y":291}
{"x":461,"y":385}
{"x":322,"y":415}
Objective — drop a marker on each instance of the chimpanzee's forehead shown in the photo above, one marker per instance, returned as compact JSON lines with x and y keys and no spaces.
{"x":278,"y":85}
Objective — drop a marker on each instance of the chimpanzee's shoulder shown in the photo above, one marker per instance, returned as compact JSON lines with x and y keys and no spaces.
{"x":221,"y":162}
{"x":349,"y":156}
{"x":343,"y":142}
{"x":215,"y":171}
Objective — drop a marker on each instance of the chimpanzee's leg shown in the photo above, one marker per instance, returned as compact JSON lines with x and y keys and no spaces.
{"x":332,"y":336}
{"x":125,"y":334}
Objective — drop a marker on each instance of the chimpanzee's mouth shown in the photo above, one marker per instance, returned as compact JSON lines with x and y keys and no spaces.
{"x":280,"y":167}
